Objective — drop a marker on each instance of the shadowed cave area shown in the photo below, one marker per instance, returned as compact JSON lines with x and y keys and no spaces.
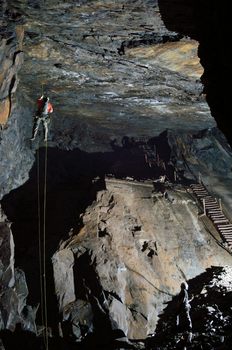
{"x":207,"y":22}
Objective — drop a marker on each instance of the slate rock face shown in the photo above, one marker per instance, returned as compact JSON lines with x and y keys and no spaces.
{"x":11,"y":59}
{"x":15,"y":161}
{"x":15,"y":155}
{"x":112,"y":69}
{"x":13,"y":287}
{"x":125,"y":258}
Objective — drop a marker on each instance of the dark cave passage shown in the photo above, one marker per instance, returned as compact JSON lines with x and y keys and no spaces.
{"x":208,"y":22}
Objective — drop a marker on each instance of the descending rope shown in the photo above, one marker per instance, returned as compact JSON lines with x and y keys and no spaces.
{"x":44,"y":246}
{"x":39,"y":239}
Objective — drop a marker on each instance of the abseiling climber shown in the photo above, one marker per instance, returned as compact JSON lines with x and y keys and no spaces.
{"x":44,"y":109}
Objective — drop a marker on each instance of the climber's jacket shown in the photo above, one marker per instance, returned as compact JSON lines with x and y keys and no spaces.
{"x":44,"y":107}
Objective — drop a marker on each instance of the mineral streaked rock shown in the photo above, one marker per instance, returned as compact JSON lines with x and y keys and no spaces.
{"x":4,"y":111}
{"x":106,"y":64}
{"x":11,"y":59}
{"x":15,"y":156}
{"x":178,"y":56}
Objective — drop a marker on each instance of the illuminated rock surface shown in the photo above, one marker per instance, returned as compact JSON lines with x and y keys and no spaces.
{"x":129,"y":107}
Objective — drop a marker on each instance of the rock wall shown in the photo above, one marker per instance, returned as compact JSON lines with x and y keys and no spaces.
{"x":13,"y":287}
{"x":15,"y":155}
{"x":11,"y":58}
{"x":16,"y":159}
{"x":209,"y":24}
{"x":205,"y":156}
{"x":132,"y":253}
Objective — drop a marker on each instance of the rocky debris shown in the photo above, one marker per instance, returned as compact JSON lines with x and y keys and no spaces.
{"x":77,"y":320}
{"x":222,"y":280}
{"x":210,"y":312}
{"x":13,"y":287}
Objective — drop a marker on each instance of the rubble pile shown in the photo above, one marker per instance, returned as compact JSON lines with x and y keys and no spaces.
{"x":211,"y":313}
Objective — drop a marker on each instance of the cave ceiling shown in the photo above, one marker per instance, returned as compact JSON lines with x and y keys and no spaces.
{"x":111,"y":68}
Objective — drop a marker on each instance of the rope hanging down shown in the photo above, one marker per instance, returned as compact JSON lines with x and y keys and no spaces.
{"x":39,"y":240}
{"x":42,"y":89}
{"x":42,"y":245}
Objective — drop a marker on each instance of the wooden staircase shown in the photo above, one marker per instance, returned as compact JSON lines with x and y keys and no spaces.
{"x":213,"y":210}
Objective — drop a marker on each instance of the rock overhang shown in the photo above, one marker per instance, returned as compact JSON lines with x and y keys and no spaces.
{"x":113,"y":67}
